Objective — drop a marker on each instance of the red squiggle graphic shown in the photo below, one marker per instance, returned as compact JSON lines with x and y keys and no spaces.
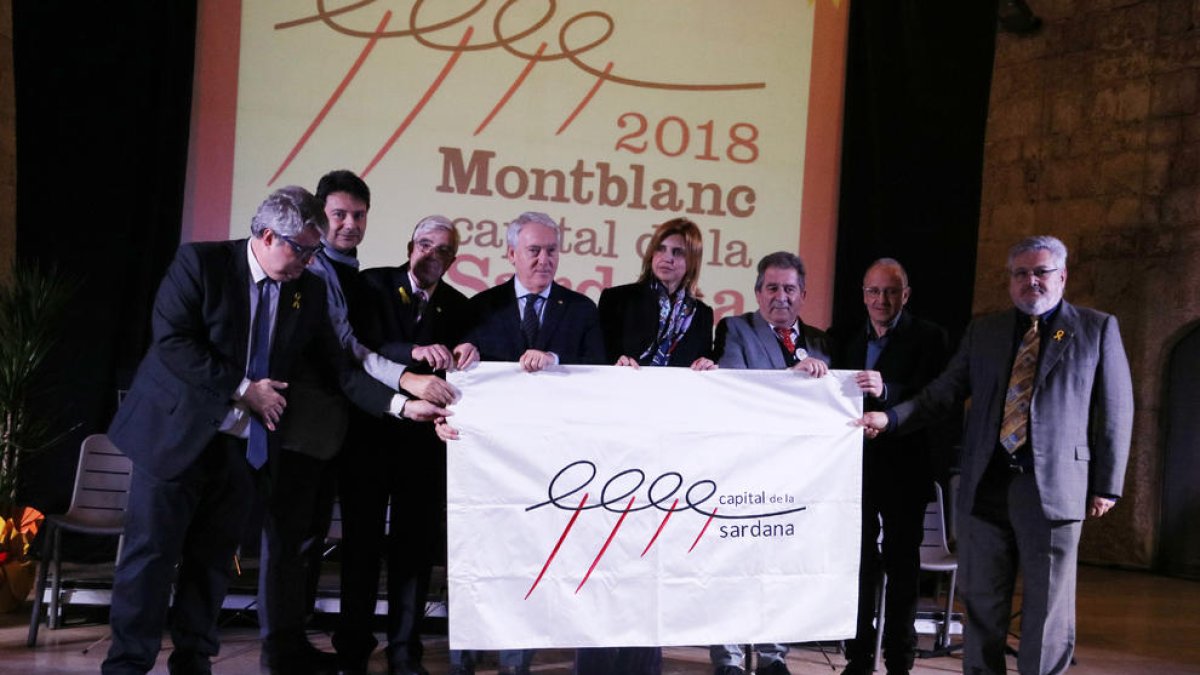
{"x":412,"y":115}
{"x":337,"y":93}
{"x":511,"y":90}
{"x":703,"y":529}
{"x":586,"y":99}
{"x":608,"y":541}
{"x":660,"y":528}
{"x":558,"y":545}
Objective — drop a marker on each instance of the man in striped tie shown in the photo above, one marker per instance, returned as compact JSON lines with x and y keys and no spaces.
{"x":1046,"y":444}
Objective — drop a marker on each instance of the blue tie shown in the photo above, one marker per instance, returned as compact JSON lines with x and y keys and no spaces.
{"x":259,"y":367}
{"x":530,"y":322}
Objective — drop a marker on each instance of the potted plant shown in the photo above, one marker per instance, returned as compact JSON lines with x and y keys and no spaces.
{"x":31,"y":306}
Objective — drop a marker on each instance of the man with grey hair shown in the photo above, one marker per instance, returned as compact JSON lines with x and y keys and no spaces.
{"x":532,"y":320}
{"x":411,"y":315}
{"x":232,"y":321}
{"x":773,"y":338}
{"x":1046,"y":444}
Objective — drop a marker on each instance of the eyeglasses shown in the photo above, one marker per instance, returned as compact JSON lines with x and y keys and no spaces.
{"x":1042,"y":273}
{"x":302,"y":252}
{"x":875,"y":292}
{"x":425,"y":246}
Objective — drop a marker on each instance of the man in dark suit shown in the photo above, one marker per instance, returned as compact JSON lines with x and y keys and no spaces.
{"x":414,"y":318}
{"x":772,"y":338}
{"x":1046,"y":444}
{"x":231,"y":322}
{"x":302,"y":477}
{"x":538,"y":323}
{"x":897,"y":354}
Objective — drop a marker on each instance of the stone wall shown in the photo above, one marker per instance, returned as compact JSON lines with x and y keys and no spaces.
{"x":1094,"y":136}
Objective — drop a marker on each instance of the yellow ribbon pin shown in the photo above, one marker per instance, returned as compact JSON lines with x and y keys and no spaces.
{"x":403,"y":295}
{"x":1058,"y":335}
{"x":296,"y":301}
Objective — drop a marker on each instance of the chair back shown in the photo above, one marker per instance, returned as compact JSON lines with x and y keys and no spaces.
{"x":101,"y":485}
{"x":934,"y":547}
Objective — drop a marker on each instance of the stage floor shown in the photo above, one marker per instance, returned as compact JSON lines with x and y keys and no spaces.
{"x":1128,"y":622}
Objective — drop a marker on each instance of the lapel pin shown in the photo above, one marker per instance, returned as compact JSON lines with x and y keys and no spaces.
{"x":403,"y":295}
{"x":438,"y":310}
{"x":296,"y":301}
{"x":1059,"y":334}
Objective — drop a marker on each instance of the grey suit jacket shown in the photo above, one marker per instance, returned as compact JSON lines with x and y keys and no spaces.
{"x":748,"y":342}
{"x":1081,"y":415}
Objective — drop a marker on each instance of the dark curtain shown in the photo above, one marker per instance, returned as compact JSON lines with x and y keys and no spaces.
{"x":918,"y":76}
{"x":103,"y":99}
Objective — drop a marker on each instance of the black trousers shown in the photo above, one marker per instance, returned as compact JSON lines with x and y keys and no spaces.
{"x":409,"y":470}
{"x":899,"y":556}
{"x":299,"y":503}
{"x":197,"y":522}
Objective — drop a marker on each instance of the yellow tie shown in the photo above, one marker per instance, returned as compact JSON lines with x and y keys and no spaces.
{"x":1014,"y":430}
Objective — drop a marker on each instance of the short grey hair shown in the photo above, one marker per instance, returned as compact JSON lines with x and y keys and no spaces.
{"x":1042,"y":242}
{"x":514,"y":228}
{"x":436,"y":222}
{"x":781,"y":260}
{"x":288,"y":211}
{"x":893,"y":264}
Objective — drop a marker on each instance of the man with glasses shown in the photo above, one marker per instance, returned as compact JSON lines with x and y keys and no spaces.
{"x":232,"y":323}
{"x":414,"y":318}
{"x":303,"y":477}
{"x":896,"y":355}
{"x":1046,"y":444}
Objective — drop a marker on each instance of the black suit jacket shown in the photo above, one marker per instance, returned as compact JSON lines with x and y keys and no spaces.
{"x":629,"y":322}
{"x":898,"y":466}
{"x":185,"y":384}
{"x":570,"y":327}
{"x":390,"y":319}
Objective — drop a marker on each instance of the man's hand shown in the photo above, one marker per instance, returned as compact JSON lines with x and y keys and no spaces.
{"x":445,"y":431}
{"x":628,"y":362}
{"x":262,"y":397}
{"x":870,"y":382}
{"x":437,"y":356}
{"x":423,"y":411}
{"x":704,"y":363}
{"x":534,"y":360}
{"x":1100,"y":506}
{"x":429,"y":387}
{"x":465,"y":355}
{"x":813,"y":367}
{"x":873,"y":423}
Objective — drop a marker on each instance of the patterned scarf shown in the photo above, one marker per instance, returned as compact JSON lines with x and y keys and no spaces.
{"x":675,"y":313}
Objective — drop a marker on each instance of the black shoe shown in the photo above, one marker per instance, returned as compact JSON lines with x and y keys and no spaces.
{"x":180,"y":663}
{"x":773,"y":668}
{"x":406,"y":668}
{"x":728,"y":670}
{"x":462,"y":670}
{"x":857,"y":668}
{"x":304,"y":659}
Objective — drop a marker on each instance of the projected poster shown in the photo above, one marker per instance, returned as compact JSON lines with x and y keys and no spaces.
{"x":610,"y":116}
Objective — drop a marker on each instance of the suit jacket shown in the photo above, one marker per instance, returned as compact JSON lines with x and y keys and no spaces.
{"x":898,"y":466}
{"x":390,"y":319}
{"x":749,"y":342}
{"x":570,"y":327}
{"x":629,"y":322}
{"x":1080,"y":418}
{"x":185,"y":384}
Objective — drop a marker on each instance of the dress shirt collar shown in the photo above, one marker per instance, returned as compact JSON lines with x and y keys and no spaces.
{"x":522,"y":291}
{"x":412,"y":283}
{"x":257,"y":273}
{"x":872,"y":335}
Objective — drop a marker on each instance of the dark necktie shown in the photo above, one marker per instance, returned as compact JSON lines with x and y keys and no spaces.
{"x":258,"y":368}
{"x":421,"y":300}
{"x":529,"y":320}
{"x":789,"y":345}
{"x":1014,"y":430}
